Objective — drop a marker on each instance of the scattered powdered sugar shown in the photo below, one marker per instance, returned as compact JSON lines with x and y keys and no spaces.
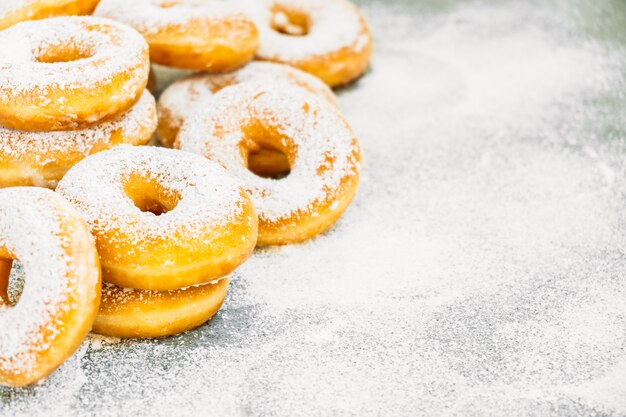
{"x":207,"y":196}
{"x":178,"y":100}
{"x":109,"y":47}
{"x":313,"y":128}
{"x":480,"y":270}
{"x":157,"y":16}
{"x":31,"y":231}
{"x":333,"y":25}
{"x":32,"y":151}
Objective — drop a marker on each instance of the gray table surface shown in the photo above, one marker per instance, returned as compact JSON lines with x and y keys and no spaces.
{"x":480,"y":271}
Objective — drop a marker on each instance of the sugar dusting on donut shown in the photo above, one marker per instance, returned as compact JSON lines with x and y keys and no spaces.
{"x":334,"y":24}
{"x":153,"y":16}
{"x":316,"y":128}
{"x":21,"y":45}
{"x":209,"y":197}
{"x":30,"y":229}
{"x":178,"y":99}
{"x":39,"y":145}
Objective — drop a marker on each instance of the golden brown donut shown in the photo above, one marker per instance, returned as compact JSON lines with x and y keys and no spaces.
{"x":142,"y":313}
{"x":162,"y":219}
{"x":62,"y":292}
{"x":15,"y":11}
{"x":69,"y":72}
{"x":186,"y":35}
{"x":322,"y":150}
{"x":178,"y":100}
{"x":327,"y":38}
{"x":42,"y":158}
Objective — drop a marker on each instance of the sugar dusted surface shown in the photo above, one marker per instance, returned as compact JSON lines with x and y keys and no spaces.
{"x":318,"y":133}
{"x":21,"y":73}
{"x":334,"y":25}
{"x":30,"y":230}
{"x":480,"y":271}
{"x":178,"y":99}
{"x":40,"y":145}
{"x":149,"y":18}
{"x":209,"y":197}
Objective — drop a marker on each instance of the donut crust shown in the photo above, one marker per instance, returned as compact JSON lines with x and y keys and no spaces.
{"x":148,"y":314}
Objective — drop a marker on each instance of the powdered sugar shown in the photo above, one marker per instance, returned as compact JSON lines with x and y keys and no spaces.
{"x":112,"y":49}
{"x":178,"y":100}
{"x":208,"y":196}
{"x":314,"y":129}
{"x":31,"y":231}
{"x":156,"y":16}
{"x":31,"y":152}
{"x":333,"y":26}
{"x":479,"y":272}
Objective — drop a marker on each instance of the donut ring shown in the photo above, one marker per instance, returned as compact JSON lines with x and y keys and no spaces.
{"x":327,"y":38}
{"x":62,"y":292}
{"x":19,"y":10}
{"x":42,"y":158}
{"x":178,"y":99}
{"x":162,"y":219}
{"x":323,"y":153}
{"x":69,"y":72}
{"x":140,"y":313}
{"x":185,"y":35}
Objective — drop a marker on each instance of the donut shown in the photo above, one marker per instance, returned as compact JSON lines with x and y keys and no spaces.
{"x":327,"y":38}
{"x":69,"y":72}
{"x":15,"y":11}
{"x":209,"y":37}
{"x":62,"y":293}
{"x":129,"y":313}
{"x":162,"y":219}
{"x":322,"y":150}
{"x":179,"y":98}
{"x":42,"y":158}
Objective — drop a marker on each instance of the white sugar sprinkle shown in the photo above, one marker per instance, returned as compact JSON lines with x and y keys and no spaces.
{"x":208,"y":196}
{"x":315,"y":128}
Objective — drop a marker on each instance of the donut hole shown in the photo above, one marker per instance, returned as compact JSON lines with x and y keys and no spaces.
{"x":150,"y":196}
{"x":290,"y":22}
{"x":265,"y":151}
{"x":268,"y":162}
{"x":65,"y":52}
{"x":11,"y":281}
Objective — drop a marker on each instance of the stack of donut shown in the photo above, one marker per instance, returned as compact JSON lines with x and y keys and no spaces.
{"x":140,"y":241}
{"x":69,"y":87}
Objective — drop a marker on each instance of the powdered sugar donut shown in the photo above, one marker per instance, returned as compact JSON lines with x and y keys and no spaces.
{"x":69,"y":72}
{"x":189,"y":34}
{"x":328,"y":38}
{"x":162,"y":219}
{"x":15,"y":11}
{"x":60,"y":299}
{"x":178,"y":100}
{"x":322,"y":151}
{"x":42,"y":158}
{"x":144,"y":313}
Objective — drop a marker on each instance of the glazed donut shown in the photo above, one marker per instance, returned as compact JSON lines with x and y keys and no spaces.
{"x":42,"y":158}
{"x":178,"y":99}
{"x":69,"y":72}
{"x":62,"y":293}
{"x":162,"y":219}
{"x":143,"y":313}
{"x":327,"y":38}
{"x":323,"y":153}
{"x":187,"y":35}
{"x":15,"y":11}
